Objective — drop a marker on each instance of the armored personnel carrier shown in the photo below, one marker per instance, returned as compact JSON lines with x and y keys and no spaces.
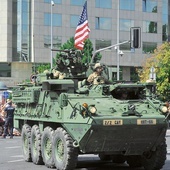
{"x":63,"y":118}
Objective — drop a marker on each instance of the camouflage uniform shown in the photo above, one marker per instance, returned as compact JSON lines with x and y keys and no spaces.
{"x":94,"y":78}
{"x":57,"y":74}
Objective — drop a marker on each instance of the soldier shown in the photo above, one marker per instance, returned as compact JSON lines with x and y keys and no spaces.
{"x":124,"y":95}
{"x":96,"y":77}
{"x":9,"y":119}
{"x":58,"y":75}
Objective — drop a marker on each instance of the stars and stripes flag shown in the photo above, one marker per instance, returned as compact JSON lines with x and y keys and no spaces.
{"x":82,"y":30}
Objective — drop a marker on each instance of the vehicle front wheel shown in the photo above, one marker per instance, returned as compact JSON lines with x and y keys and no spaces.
{"x":26,"y":142}
{"x":154,"y":160}
{"x":64,"y":153}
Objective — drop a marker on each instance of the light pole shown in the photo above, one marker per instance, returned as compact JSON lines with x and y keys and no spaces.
{"x":118,"y":57}
{"x":52,"y":4}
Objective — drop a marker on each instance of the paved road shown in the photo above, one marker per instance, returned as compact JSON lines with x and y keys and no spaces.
{"x":11,"y":158}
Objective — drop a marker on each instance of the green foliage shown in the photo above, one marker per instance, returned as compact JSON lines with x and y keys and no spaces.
{"x":160,"y":60}
{"x":68,"y":45}
{"x":40,"y":68}
{"x":87,"y":52}
{"x":134,"y":74}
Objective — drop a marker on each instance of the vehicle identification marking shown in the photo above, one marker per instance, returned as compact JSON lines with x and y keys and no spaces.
{"x":146,"y":122}
{"x":112,"y":122}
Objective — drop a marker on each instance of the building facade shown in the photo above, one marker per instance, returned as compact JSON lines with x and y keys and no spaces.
{"x":26,"y":28}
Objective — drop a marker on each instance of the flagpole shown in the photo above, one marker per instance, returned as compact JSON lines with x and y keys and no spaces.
{"x":51,"y":57}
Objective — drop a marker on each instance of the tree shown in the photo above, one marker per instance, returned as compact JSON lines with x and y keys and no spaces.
{"x":160,"y":60}
{"x":40,"y":68}
{"x":87,"y":52}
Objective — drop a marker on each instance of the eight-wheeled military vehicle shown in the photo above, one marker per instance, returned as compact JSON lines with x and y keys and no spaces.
{"x":63,"y":118}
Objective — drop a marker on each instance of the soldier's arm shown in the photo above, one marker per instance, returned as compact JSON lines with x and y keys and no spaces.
{"x":90,"y":78}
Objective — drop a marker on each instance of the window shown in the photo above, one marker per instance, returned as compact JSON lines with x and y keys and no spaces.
{"x":165,"y":32}
{"x":56,"y":41}
{"x":25,"y":6}
{"x":103,"y":4}
{"x":22,"y":51}
{"x":15,"y":41}
{"x":149,"y":27}
{"x":103,"y":23}
{"x":5,"y":70}
{"x":125,"y":46}
{"x":74,"y":19}
{"x":55,"y":1}
{"x":77,"y":2}
{"x":57,"y":19}
{"x":149,"y":47}
{"x":127,"y":5}
{"x":165,"y":7}
{"x":149,"y":6}
{"x":165,"y":20}
{"x":126,"y":24}
{"x":102,"y":44}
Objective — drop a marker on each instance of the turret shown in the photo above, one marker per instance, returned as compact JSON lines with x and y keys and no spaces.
{"x":69,"y":65}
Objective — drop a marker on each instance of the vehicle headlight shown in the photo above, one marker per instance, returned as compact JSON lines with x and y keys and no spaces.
{"x":92,"y":109}
{"x":88,"y":110}
{"x":164,"y":109}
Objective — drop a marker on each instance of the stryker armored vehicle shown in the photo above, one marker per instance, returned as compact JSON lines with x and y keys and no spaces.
{"x":63,"y":118}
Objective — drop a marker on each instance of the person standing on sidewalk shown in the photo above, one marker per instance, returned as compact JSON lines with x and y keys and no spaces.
{"x":9,"y":120}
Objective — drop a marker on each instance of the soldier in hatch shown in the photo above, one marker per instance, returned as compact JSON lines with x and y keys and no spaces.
{"x":96,"y":77}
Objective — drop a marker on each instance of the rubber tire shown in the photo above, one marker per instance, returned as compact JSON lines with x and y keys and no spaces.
{"x":155,"y":160}
{"x":36,"y":145}
{"x":64,"y":154}
{"x":26,"y":142}
{"x":134,"y":161}
{"x":46,"y":147}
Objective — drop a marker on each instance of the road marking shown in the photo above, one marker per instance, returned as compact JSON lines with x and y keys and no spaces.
{"x":17,"y":156}
{"x":19,"y":160}
{"x":13,"y":147}
{"x":168,"y":150}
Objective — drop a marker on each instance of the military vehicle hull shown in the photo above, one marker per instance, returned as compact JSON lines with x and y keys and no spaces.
{"x":59,"y":123}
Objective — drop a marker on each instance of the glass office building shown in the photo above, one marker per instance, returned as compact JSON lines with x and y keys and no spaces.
{"x":26,"y":29}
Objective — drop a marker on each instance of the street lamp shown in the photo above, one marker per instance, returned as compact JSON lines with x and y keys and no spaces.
{"x":118,"y":57}
{"x":52,"y":4}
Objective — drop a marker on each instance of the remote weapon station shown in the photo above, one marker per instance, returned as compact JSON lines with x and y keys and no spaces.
{"x":63,"y":118}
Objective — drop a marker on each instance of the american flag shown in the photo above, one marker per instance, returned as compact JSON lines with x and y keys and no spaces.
{"x":82,"y":30}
